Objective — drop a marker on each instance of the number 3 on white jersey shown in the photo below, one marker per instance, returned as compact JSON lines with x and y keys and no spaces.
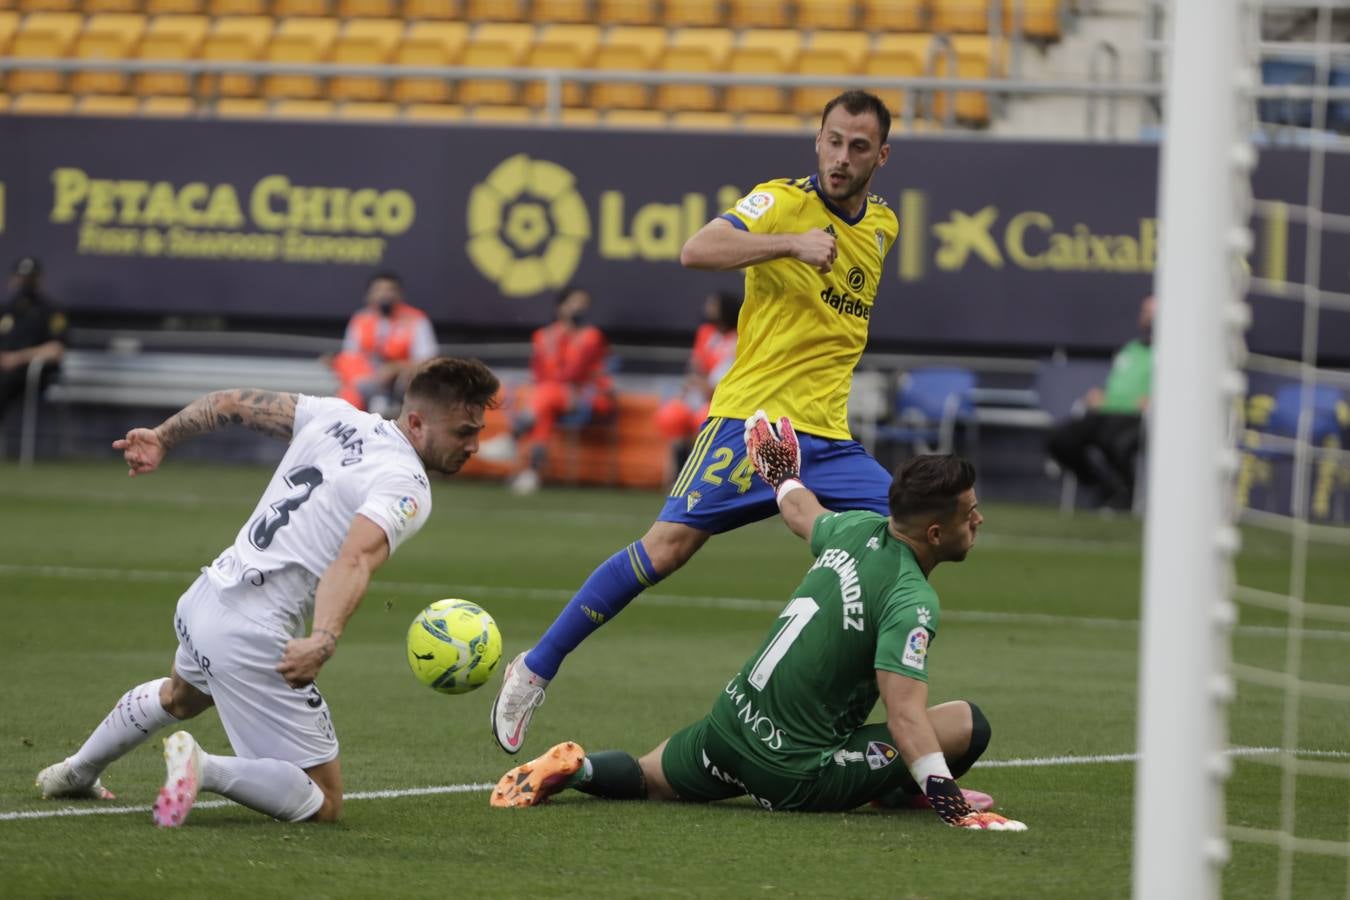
{"x":797,"y":613}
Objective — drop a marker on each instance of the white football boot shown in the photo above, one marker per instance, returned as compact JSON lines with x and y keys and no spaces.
{"x":59,"y":782}
{"x":183,"y":762}
{"x":521,"y":693}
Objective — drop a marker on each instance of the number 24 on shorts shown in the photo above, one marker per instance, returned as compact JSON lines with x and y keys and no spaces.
{"x":742,"y":476}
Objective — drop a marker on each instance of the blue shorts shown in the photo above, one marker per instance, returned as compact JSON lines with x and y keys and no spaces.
{"x":717,"y":490}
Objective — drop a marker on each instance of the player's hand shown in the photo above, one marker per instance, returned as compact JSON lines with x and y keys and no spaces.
{"x":774,"y":453}
{"x":303,"y":658}
{"x":816,"y":248}
{"x":987,"y":821}
{"x":142,"y":450}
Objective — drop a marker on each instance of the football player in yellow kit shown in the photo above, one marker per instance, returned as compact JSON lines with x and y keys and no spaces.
{"x":812,"y":249}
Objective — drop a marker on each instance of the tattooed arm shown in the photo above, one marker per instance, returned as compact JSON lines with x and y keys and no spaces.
{"x":268,"y":412}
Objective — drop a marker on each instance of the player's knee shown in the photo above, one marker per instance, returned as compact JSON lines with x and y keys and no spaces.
{"x":670,"y":546}
{"x":980,"y":732}
{"x":183,"y":701}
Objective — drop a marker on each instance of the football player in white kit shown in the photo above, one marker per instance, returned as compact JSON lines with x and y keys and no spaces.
{"x":351,"y":488}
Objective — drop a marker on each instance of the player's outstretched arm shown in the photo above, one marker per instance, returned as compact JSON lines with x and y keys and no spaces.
{"x":269,"y":412}
{"x":720,"y":246}
{"x":340,"y":591}
{"x":776,"y":456}
{"x":906,"y":701}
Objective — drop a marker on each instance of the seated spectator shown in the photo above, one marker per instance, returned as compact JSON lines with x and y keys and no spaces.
{"x":31,"y":328}
{"x":384,"y":344}
{"x":568,"y":378}
{"x":714,"y":351}
{"x":1100,"y":446}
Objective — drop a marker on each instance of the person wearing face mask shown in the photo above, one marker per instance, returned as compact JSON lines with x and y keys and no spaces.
{"x":568,"y":378}
{"x":385,"y":343}
{"x":1100,"y":446}
{"x":679,"y":418}
{"x":31,"y":328}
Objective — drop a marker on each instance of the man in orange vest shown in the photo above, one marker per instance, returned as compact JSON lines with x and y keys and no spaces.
{"x":384,"y":344}
{"x":714,"y":351}
{"x":567,"y":368}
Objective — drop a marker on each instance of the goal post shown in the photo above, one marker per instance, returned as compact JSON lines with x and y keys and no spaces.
{"x":1189,"y":536}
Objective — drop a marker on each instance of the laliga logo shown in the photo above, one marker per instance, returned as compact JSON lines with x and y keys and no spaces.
{"x":527,"y":226}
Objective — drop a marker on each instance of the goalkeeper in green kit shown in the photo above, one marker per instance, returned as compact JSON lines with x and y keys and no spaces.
{"x":788,"y":729}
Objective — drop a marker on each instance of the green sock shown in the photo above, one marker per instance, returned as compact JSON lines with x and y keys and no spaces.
{"x":611,"y":774}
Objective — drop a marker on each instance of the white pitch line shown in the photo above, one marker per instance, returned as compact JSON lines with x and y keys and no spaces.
{"x":396,"y":793}
{"x":681,"y":601}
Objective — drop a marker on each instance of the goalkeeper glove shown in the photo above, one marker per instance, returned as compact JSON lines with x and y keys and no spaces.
{"x":947,"y":801}
{"x":773,"y":452}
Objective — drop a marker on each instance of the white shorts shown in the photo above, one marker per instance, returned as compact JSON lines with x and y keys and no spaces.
{"x":233,"y":658}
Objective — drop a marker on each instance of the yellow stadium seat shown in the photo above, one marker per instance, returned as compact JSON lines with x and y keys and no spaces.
{"x":367,"y":111}
{"x":825,"y":62}
{"x":93,"y":7}
{"x":42,"y":35}
{"x":170,"y":37}
{"x":976,"y":57}
{"x":506,"y":114}
{"x":627,"y":48}
{"x":235,"y":38}
{"x":367,"y":9}
{"x":581,"y":115}
{"x":893,"y":15}
{"x":626,"y":12}
{"x":434,"y":112}
{"x":761,"y":52}
{"x":431,"y":9}
{"x":694,"y":13}
{"x":1040,"y":19}
{"x":496,"y":10}
{"x":364,"y":42}
{"x":759,"y":14}
{"x":299,"y":41}
{"x":4,"y":103}
{"x":561,"y":47}
{"x":286,"y":8}
{"x":237,"y":7}
{"x":960,"y":16}
{"x":694,"y":50}
{"x":106,"y":36}
{"x":304,"y":109}
{"x":496,"y":45}
{"x":43,"y":104}
{"x":174,"y":7}
{"x":704,"y":121}
{"x":577,"y":12}
{"x":835,"y":14}
{"x":168,"y":106}
{"x":775,"y":122}
{"x":428,"y":44}
{"x":897,"y":55}
{"x":241,"y":108}
{"x":107,"y":105}
{"x":852,"y":44}
{"x":9,"y":23}
{"x":48,"y":5}
{"x":635,"y":118}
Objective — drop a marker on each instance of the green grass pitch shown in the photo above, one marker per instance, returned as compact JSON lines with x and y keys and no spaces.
{"x":1039,"y":627}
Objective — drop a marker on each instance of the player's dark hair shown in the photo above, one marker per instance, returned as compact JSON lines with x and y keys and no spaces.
{"x":447,"y":382}
{"x":385,"y":275}
{"x":857,"y":102}
{"x":566,"y":292}
{"x":929,"y":486}
{"x":728,"y":310}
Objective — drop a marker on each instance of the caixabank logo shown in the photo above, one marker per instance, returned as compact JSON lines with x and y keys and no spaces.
{"x":994,"y":238}
{"x":530,"y":224}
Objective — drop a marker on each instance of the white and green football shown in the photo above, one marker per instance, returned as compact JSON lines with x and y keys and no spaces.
{"x":454,"y":646}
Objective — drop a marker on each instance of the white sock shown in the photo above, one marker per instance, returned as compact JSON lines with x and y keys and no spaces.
{"x":280,"y":789}
{"x":136,"y":717}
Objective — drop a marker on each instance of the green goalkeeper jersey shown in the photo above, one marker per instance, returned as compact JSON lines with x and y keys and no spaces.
{"x":864,"y":605}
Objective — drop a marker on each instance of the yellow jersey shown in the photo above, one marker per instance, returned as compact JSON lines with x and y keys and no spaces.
{"x":801,"y":332}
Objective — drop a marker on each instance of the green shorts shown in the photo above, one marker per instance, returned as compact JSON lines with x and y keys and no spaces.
{"x":702,"y":766}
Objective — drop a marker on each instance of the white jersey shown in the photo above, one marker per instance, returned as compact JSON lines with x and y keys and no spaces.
{"x":342,"y":462}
